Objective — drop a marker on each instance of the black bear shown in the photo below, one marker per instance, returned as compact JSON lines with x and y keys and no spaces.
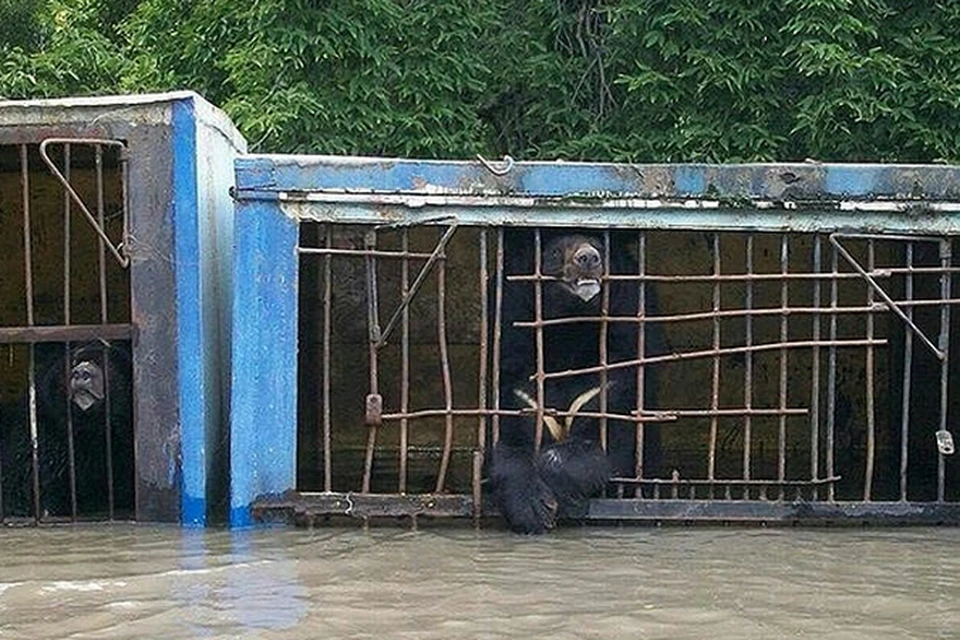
{"x":76,"y":382}
{"x":535,"y":489}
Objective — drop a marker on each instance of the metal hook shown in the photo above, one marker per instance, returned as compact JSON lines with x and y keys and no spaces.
{"x":508,"y":165}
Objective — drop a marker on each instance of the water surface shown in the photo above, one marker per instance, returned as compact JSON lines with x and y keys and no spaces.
{"x":126,"y":581}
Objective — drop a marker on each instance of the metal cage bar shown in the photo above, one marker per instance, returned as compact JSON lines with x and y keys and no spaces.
{"x":765,"y":475}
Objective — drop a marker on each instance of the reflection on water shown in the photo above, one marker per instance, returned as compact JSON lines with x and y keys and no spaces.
{"x":150,"y":582}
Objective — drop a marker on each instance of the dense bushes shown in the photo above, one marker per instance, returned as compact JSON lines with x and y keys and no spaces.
{"x":641,"y":80}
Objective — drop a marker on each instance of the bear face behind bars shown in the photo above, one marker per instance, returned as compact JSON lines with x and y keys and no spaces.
{"x":533,"y":491}
{"x":79,"y":382}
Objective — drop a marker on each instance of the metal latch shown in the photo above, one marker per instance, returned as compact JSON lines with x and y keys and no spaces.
{"x":945,"y":442}
{"x":374,"y":414}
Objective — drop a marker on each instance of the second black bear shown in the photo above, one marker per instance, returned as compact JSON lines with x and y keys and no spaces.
{"x":534,"y":490}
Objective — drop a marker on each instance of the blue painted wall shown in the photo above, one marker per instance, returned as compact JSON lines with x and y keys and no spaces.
{"x":203,"y":213}
{"x":263,"y":439}
{"x":189,"y":322}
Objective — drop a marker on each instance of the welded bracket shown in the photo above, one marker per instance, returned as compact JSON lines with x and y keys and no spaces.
{"x":893,"y":306}
{"x":379,"y":337}
{"x":118,"y":250}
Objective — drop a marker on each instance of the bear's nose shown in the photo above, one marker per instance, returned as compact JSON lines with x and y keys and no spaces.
{"x":587,"y":257}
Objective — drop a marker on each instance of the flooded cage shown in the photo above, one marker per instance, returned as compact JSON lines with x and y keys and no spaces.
{"x":794,"y":360}
{"x":109,"y":340}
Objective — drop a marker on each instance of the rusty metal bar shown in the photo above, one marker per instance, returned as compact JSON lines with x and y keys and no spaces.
{"x":835,"y":241}
{"x":32,"y":373}
{"x":706,"y":278}
{"x":907,"y":383}
{"x":641,"y":352}
{"x":604,"y":328}
{"x":72,"y":333}
{"x":678,"y":481}
{"x":497,"y":331}
{"x":438,"y":254}
{"x":104,"y":319}
{"x":661,"y":415}
{"x":540,"y":376}
{"x":715,"y":378}
{"x":481,"y":379}
{"x":1,"y":475}
{"x":707,"y":353}
{"x":375,"y":338}
{"x":118,"y":251}
{"x":445,"y":372}
{"x":404,"y":362}
{"x":108,"y":428}
{"x":327,"y":348}
{"x":748,"y":367}
{"x":67,"y":234}
{"x":832,"y":373}
{"x":815,"y":371}
{"x":871,"y":409}
{"x":68,"y":405}
{"x":944,"y":346}
{"x":876,"y":307}
{"x":784,"y":336}
{"x":363,"y":253}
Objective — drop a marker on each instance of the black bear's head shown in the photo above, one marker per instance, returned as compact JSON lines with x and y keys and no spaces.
{"x":86,"y":384}
{"x":576,"y":261}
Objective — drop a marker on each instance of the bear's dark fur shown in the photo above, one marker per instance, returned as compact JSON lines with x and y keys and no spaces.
{"x":533,"y":490}
{"x":84,"y":389}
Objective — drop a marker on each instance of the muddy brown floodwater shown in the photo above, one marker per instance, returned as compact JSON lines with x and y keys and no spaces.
{"x":124,"y":581}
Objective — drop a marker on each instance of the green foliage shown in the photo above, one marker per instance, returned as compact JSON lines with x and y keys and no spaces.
{"x":633,"y":80}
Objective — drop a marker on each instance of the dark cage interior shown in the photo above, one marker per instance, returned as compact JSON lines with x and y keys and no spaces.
{"x":66,"y":427}
{"x":773,"y":367}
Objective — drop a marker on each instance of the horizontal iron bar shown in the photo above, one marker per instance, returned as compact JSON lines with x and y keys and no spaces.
{"x":659,"y":415}
{"x":648,"y":416}
{"x":876,"y":307}
{"x":738,"y":482}
{"x":66,"y":333}
{"x":295,"y":506}
{"x":365,"y":253}
{"x":708,"y":353}
{"x":723,"y":277}
{"x":885,"y":272}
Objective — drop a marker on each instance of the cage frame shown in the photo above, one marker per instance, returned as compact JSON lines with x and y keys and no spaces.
{"x":275,"y":193}
{"x":179,"y":152}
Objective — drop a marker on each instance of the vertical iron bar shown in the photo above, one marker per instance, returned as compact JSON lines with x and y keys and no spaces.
{"x":815,"y":372}
{"x":104,"y":315}
{"x":445,"y":370}
{"x":327,"y":336}
{"x":832,"y":373}
{"x":604,"y":331}
{"x":497,"y":331}
{"x":481,"y":381}
{"x":67,"y":319}
{"x":871,"y":417}
{"x":715,"y":384}
{"x":641,"y":353}
{"x":784,"y":335}
{"x":944,"y":346}
{"x":538,"y":317}
{"x":748,"y":368}
{"x":373,"y":320}
{"x":404,"y":361}
{"x":907,"y":379}
{"x":31,"y":373}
